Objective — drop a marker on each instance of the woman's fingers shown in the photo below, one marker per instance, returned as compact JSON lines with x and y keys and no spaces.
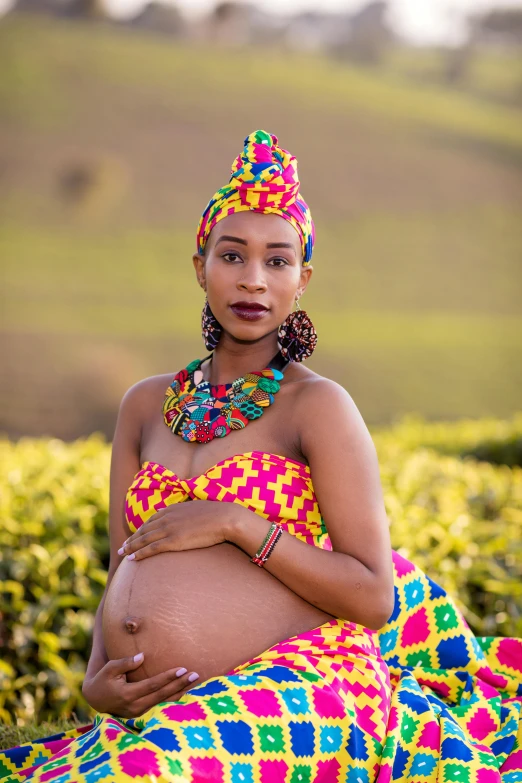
{"x":153,"y":684}
{"x":155,"y":523}
{"x":155,"y":548}
{"x":147,"y":538}
{"x":137,"y":536}
{"x":120,"y":666}
{"x":171,"y":687}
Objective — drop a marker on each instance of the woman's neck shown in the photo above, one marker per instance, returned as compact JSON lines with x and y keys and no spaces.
{"x":231,"y":360}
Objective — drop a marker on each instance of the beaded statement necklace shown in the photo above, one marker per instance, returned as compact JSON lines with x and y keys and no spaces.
{"x":199,"y":412}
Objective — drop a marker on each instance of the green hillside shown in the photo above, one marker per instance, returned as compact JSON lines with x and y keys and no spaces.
{"x":111,"y":143}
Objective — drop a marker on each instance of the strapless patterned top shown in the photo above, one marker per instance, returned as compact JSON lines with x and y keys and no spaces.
{"x":276,"y":488}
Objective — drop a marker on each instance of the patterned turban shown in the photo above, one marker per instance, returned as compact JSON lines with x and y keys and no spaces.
{"x":263,"y":178}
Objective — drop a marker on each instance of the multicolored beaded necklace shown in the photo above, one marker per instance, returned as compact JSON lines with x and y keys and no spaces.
{"x":197,"y":411}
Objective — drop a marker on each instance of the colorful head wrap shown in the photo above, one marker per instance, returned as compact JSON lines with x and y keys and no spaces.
{"x":263,"y":178}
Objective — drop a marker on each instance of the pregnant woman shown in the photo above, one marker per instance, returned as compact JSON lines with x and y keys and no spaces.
{"x":256,"y":626}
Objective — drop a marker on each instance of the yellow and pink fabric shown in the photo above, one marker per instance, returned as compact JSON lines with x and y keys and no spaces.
{"x":263,"y":178}
{"x":421,"y":701}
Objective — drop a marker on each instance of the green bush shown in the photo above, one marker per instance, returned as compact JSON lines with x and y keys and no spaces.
{"x":458,"y":518}
{"x":491,"y":440}
{"x":53,"y":568}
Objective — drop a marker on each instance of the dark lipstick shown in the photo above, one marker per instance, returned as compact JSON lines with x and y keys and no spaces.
{"x":249,"y":311}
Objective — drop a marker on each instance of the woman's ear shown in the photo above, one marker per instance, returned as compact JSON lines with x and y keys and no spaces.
{"x":304,"y":279}
{"x":199,"y":265}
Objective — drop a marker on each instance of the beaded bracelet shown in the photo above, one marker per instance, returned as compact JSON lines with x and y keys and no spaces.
{"x":267,"y":547}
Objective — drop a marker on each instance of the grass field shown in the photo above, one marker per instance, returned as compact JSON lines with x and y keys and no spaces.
{"x":415,"y":189}
{"x":11,"y":736}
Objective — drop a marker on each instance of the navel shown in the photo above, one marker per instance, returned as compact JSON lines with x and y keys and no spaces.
{"x":131,"y":624}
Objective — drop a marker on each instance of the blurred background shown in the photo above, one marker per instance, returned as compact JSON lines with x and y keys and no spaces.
{"x":120,"y":119}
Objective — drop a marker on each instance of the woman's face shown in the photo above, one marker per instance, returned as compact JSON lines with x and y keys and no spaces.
{"x":255,"y":259}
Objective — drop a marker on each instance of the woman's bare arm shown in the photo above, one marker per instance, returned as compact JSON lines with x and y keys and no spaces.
{"x":355,"y":581}
{"x":124,"y":466}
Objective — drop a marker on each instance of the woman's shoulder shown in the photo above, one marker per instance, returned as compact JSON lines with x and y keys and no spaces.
{"x":310,"y":388}
{"x":323,"y":403}
{"x":149,"y":390}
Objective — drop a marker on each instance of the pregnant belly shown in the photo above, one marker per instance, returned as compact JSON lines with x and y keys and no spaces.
{"x":208,"y":610}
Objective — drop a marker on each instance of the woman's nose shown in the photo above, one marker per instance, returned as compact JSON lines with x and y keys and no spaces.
{"x":252,"y":282}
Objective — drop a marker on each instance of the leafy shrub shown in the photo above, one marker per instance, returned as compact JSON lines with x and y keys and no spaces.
{"x":491,"y":440}
{"x":457,"y":518}
{"x":53,"y":558}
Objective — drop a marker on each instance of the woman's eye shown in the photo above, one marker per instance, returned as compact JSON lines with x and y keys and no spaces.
{"x":279,"y":261}
{"x":227,"y":255}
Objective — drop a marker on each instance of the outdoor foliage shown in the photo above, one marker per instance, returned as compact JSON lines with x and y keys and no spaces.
{"x":458,"y":518}
{"x":53,"y":555}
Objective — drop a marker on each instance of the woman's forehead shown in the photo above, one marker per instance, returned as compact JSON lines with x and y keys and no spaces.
{"x":256,"y":227}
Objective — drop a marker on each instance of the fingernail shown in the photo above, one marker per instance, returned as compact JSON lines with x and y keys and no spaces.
{"x":181,"y":672}
{"x":192,"y":677}
{"x":132,"y":556}
{"x":121,"y":551}
{"x":138,"y":657}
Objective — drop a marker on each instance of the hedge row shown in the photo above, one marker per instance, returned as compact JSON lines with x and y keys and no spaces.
{"x":53,"y":555}
{"x":493,"y":440}
{"x":458,"y":518}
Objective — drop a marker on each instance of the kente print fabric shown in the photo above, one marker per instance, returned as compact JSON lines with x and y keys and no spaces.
{"x":420,"y":701}
{"x":263,"y":178}
{"x":198,"y":411}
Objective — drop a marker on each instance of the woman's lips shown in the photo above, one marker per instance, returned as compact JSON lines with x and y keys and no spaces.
{"x":248,"y":313}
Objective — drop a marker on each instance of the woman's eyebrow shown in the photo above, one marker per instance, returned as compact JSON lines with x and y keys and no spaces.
{"x":281,"y":244}
{"x":226,"y":238}
{"x":229,"y":238}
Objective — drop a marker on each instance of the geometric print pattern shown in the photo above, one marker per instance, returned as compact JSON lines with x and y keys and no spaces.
{"x":420,"y":701}
{"x":277,"y":488}
{"x":456,"y":712}
{"x":263,"y":178}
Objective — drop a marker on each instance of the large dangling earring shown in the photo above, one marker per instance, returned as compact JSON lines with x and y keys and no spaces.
{"x":210,"y":327}
{"x":297,"y":337}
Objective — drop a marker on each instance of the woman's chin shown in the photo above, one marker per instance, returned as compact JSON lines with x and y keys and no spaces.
{"x":250,"y":333}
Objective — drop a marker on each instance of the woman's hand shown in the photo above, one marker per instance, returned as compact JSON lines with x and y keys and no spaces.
{"x":193,"y":525}
{"x":109,"y":691}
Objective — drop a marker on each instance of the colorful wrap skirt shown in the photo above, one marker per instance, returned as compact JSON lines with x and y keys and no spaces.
{"x":422,"y":700}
